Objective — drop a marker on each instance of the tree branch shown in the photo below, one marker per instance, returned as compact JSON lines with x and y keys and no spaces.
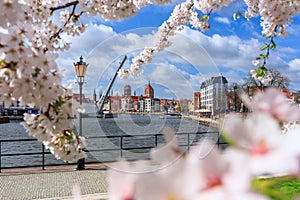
{"x":73,"y":3}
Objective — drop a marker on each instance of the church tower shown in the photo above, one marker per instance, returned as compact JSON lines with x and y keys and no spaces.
{"x":149,"y":91}
{"x":127,"y":90}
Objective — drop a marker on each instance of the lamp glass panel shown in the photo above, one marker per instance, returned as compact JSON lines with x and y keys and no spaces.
{"x":77,"y":69}
{"x":80,"y":70}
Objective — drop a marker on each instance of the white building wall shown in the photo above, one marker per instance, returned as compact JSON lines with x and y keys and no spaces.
{"x":214,"y":96}
{"x":156,"y":106}
{"x":123,"y":104}
{"x":127,"y":104}
{"x":148,"y":105}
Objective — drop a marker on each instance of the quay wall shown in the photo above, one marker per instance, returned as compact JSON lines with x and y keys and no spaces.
{"x":202,"y":120}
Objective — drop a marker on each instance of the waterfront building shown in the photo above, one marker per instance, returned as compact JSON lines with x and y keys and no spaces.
{"x":156,"y":104}
{"x":295,"y":97}
{"x":113,"y":103}
{"x":184,"y":106}
{"x":150,"y":104}
{"x":141,"y":104}
{"x":127,"y":103}
{"x":147,"y":102}
{"x":144,"y":103}
{"x":17,"y":109}
{"x":176,"y":105}
{"x":127,"y":90}
{"x":149,"y":91}
{"x":167,"y":105}
{"x":164,"y":105}
{"x":135,"y":102}
{"x":214,"y":94}
{"x":234,"y":102}
{"x":191,"y":107}
{"x":76,"y":97}
{"x":197,"y":100}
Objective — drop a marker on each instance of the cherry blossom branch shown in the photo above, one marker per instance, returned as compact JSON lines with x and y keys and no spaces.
{"x":72,"y":14}
{"x":73,"y":3}
{"x":262,"y":74}
{"x":267,"y":46}
{"x":182,"y":14}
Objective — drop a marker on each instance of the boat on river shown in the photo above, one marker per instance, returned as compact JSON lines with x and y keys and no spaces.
{"x":99,"y":115}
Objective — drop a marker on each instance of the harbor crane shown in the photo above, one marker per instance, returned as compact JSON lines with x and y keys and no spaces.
{"x":101,"y":102}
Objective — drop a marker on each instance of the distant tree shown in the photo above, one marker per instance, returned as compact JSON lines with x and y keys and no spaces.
{"x":184,"y":105}
{"x":234,"y":90}
{"x":278,"y":80}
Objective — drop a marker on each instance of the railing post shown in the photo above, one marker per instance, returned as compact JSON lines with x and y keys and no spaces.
{"x":218,"y":140}
{"x":43,"y":157}
{"x":121,"y":146}
{"x":188,"y":140}
{"x":0,"y":157}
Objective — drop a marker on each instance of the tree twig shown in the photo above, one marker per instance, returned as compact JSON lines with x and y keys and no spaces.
{"x":73,"y":3}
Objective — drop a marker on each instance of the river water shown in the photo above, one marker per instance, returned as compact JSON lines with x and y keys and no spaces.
{"x":99,"y":132}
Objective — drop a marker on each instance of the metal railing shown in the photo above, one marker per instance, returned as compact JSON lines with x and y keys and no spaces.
{"x":121,"y":146}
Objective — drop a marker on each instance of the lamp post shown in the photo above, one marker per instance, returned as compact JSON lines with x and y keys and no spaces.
{"x":80,"y":68}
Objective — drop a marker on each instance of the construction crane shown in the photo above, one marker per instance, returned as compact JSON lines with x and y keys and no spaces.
{"x":101,"y":102}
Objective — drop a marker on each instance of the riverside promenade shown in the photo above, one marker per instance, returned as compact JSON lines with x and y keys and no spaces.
{"x":53,"y":183}
{"x":202,"y":120}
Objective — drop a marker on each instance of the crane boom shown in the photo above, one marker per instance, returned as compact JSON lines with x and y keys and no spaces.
{"x":101,"y":102}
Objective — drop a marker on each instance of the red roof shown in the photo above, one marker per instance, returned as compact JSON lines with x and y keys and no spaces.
{"x":148,"y":87}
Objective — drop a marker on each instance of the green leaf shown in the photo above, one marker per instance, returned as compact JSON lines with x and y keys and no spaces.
{"x":204,"y":18}
{"x":260,"y":71}
{"x":266,"y":36}
{"x":226,"y":138}
{"x":273,"y":45}
{"x":262,"y":56}
{"x":59,"y":103}
{"x":263,"y":47}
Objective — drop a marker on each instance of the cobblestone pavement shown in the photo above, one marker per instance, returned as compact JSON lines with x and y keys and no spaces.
{"x":53,"y":185}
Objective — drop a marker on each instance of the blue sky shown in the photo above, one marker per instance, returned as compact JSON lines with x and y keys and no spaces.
{"x":227,"y":48}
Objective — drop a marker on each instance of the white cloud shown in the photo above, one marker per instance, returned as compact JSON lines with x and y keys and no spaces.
{"x":223,"y":20}
{"x":227,"y":51}
{"x":192,"y":58}
{"x":294,"y":65}
{"x":236,"y":55}
{"x":81,"y":46}
{"x":293,"y":73}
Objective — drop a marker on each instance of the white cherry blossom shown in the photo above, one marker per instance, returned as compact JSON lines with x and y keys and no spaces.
{"x":30,"y":38}
{"x":259,"y":137}
{"x":274,"y":103}
{"x":265,"y":79}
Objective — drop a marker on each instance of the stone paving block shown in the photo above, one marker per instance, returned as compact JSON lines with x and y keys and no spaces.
{"x":52,"y":185}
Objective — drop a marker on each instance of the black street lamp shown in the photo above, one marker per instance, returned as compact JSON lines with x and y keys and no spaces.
{"x":80,"y":68}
